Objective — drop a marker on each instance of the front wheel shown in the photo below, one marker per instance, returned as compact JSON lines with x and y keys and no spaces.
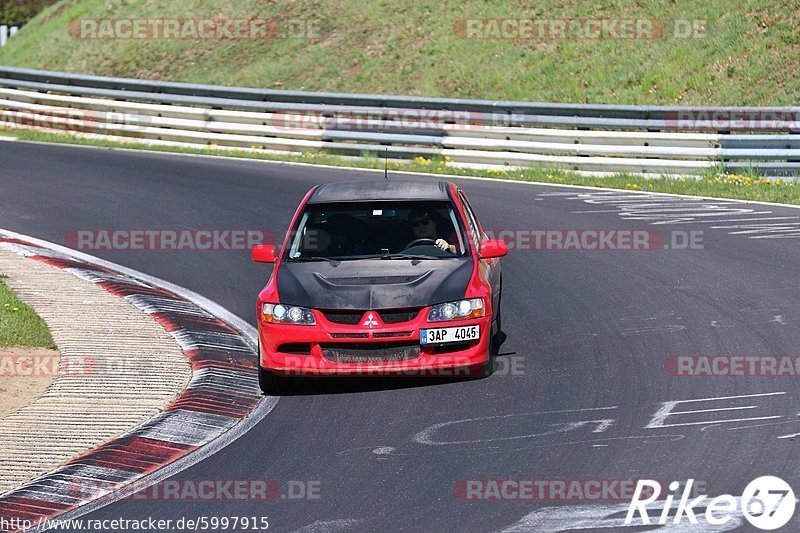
{"x":497,"y":332}
{"x":495,"y":339}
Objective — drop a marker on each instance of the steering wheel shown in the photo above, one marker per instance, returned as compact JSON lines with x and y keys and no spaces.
{"x":432,"y":242}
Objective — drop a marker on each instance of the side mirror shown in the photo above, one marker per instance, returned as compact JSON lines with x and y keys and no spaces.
{"x":263,"y":253}
{"x":492,"y":249}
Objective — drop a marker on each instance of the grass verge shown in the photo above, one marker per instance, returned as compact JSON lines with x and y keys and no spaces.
{"x":714,"y":52}
{"x":20,"y":326}
{"x":713,"y":183}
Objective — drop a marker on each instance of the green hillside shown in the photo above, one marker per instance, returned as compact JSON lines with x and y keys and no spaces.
{"x":742,"y":53}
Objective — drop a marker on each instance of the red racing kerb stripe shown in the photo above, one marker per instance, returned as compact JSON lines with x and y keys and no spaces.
{"x":223,"y":390}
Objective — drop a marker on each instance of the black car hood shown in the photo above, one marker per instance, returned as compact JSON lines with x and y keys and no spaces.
{"x":373,"y":283}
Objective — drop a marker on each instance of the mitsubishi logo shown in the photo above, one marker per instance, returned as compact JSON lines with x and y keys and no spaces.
{"x":370,"y":321}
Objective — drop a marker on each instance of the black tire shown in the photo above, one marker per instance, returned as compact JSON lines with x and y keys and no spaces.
{"x":498,"y":319}
{"x":271,"y":384}
{"x":496,"y":338}
{"x":488,"y":367}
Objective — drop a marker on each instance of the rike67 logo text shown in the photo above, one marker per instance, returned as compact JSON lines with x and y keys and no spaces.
{"x":767,"y":502}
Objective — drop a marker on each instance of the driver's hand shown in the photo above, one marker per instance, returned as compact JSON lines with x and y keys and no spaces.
{"x":441,"y":243}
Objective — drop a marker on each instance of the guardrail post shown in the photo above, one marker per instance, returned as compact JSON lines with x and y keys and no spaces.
{"x":6,"y":33}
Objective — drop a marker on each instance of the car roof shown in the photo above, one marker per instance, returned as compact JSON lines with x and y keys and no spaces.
{"x":357,"y":191}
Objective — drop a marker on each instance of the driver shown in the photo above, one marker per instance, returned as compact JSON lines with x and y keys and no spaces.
{"x":423,"y":224}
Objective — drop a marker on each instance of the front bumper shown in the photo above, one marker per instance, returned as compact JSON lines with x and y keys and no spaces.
{"x":329,"y":349}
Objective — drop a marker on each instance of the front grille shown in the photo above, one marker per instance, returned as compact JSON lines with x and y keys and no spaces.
{"x":395,"y":316}
{"x":378,"y":352}
{"x":353,"y":316}
{"x":344,"y":316}
{"x":371,"y":280}
{"x":393,"y":334}
{"x":350,"y":335}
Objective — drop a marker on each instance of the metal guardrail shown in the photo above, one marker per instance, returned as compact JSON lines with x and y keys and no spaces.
{"x":598,"y":138}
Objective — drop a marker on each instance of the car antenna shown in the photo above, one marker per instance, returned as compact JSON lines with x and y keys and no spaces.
{"x":386,"y":165}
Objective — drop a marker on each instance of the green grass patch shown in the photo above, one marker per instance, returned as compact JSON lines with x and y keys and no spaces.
{"x":744,"y":54}
{"x":714,"y":182}
{"x":20,"y":326}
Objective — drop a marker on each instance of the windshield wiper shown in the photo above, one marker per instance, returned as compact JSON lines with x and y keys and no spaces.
{"x":406,"y":256}
{"x":330,"y":260}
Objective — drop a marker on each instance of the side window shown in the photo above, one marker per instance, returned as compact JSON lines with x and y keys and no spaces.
{"x":474,"y":228}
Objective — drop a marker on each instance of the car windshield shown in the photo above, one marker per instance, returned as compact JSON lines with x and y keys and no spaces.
{"x":389,"y":230}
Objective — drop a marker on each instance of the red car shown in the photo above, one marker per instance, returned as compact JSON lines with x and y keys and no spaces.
{"x":380,"y":278}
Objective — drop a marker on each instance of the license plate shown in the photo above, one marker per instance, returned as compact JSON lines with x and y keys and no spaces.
{"x":444,"y":335}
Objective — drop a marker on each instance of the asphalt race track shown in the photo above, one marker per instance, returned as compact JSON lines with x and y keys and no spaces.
{"x":588,"y":337}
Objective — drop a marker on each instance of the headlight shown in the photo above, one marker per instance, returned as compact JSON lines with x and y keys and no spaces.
{"x":461,"y":309}
{"x":284,"y":314}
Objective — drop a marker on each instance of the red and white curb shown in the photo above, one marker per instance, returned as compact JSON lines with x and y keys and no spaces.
{"x":220,"y":403}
